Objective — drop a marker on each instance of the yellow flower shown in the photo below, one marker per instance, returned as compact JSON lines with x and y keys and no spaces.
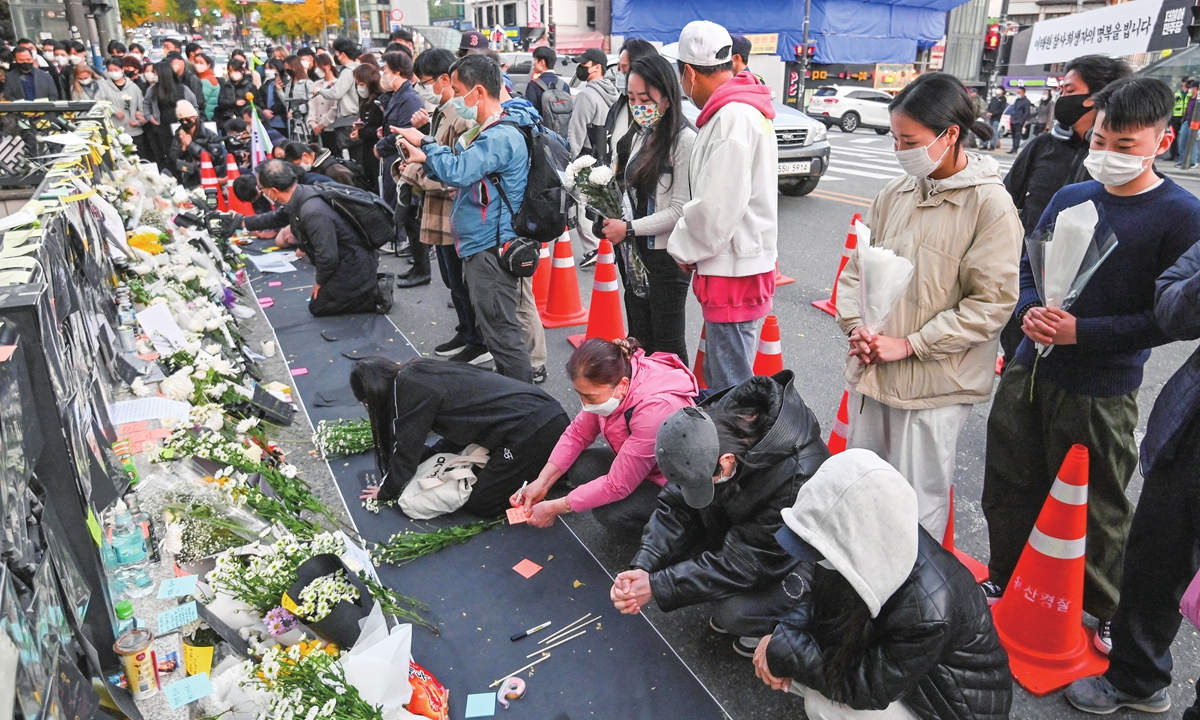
{"x":146,"y":242}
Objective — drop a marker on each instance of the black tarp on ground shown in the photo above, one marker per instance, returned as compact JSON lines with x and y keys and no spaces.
{"x":622,"y":668}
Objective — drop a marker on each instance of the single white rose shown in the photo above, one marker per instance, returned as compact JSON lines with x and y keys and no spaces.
{"x":173,"y":542}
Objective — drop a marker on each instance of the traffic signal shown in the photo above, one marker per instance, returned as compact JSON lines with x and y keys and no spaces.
{"x":552,"y":32}
{"x":991,"y":48}
{"x":812,"y":49}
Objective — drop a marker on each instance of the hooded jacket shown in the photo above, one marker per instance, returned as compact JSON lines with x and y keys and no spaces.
{"x":480,"y":217}
{"x":933,"y":645}
{"x":660,"y":385}
{"x":963,"y":237}
{"x":1046,"y":164}
{"x":730,"y":226}
{"x":729,"y":547}
{"x":585,"y":133}
{"x":227,"y":97}
{"x":345,"y":264}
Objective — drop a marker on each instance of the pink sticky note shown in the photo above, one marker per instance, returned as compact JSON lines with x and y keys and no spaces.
{"x":274,"y":283}
{"x":527,"y":568}
{"x":516,"y":516}
{"x":131,"y":428}
{"x":297,"y":372}
{"x":265,"y":302}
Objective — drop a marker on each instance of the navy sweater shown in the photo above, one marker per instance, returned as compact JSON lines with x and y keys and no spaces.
{"x":1115,"y":326}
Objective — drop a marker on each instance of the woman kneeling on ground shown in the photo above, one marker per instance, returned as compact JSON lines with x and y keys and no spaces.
{"x":626,"y":395}
{"x":894,"y":626}
{"x":733,"y":465}
{"x":464,"y":405}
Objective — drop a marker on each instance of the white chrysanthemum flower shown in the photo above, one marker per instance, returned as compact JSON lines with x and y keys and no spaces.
{"x":246,"y":425}
{"x":602,"y":175}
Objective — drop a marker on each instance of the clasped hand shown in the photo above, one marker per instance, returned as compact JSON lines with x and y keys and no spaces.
{"x":1049,"y":326}
{"x":873,"y":349}
{"x":763,"y":672}
{"x":631,"y":591}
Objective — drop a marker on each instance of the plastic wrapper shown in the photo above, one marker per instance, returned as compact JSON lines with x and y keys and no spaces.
{"x":381,"y":654}
{"x":430,"y":699}
{"x":882,"y":277}
{"x":1064,"y":259}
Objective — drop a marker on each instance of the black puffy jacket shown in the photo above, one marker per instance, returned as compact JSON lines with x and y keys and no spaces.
{"x":934,"y":647}
{"x":1046,"y":163}
{"x":729,"y":547}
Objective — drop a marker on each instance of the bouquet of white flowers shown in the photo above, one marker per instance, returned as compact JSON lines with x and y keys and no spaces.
{"x":594,"y":186}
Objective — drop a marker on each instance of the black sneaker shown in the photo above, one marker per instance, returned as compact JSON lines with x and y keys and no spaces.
{"x":385,"y":283}
{"x":712,"y":623}
{"x":1103,"y":639}
{"x":589,"y":259}
{"x":473,"y":354}
{"x":539,"y":375}
{"x":991,"y":591}
{"x":745,"y":646}
{"x":452,"y":347}
{"x":1096,"y":695}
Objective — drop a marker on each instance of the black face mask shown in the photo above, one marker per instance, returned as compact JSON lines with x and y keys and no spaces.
{"x":24,"y":67}
{"x":582,"y":72}
{"x":188,"y":125}
{"x":1069,"y":109}
{"x":130,"y":74}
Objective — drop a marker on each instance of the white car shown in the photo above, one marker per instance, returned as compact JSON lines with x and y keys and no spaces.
{"x":850,"y":108}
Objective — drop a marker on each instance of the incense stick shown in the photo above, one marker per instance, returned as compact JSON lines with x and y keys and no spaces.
{"x":545,"y":657}
{"x":566,"y":629}
{"x":560,"y":642}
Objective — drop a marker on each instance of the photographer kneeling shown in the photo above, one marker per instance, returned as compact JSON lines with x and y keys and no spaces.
{"x":347,"y":280}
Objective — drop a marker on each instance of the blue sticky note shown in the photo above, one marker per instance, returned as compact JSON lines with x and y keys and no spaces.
{"x":177,"y":587}
{"x":481,"y":705}
{"x":176,"y":617}
{"x":186,"y":691}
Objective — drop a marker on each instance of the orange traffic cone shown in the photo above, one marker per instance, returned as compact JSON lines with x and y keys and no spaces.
{"x":780,"y":278}
{"x":770,"y":350}
{"x":830,"y":305}
{"x":698,"y":366}
{"x":208,"y":176}
{"x":541,"y":278}
{"x":1039,"y":619}
{"x":1000,"y":363}
{"x":563,"y":307}
{"x":841,"y":426}
{"x":233,"y":173}
{"x":604,"y":319}
{"x":978,"y":569}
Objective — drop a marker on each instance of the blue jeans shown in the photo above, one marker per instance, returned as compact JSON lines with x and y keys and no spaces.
{"x":995,"y":141}
{"x":729,"y":350}
{"x":1184,"y":132}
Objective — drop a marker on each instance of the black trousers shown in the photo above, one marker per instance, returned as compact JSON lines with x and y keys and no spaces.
{"x":1176,"y":124}
{"x":627,"y":516}
{"x":756,"y":613}
{"x":1161,"y":558}
{"x":450,"y":266}
{"x":508,"y":467}
{"x":659,"y":320}
{"x":1017,"y":130}
{"x":408,"y":225}
{"x":330,"y":302}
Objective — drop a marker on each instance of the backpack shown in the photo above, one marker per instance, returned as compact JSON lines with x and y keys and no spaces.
{"x":557,"y":106}
{"x":543,"y":214}
{"x":373,"y":218}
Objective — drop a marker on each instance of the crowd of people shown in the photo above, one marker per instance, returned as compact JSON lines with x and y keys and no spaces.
{"x":827,"y":571}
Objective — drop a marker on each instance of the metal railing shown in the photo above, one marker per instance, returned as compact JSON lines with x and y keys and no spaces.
{"x":24,"y":155}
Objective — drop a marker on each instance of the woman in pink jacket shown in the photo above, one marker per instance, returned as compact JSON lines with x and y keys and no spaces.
{"x":626,"y":395}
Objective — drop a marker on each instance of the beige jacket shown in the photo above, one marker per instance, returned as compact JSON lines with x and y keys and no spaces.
{"x":963,"y":237}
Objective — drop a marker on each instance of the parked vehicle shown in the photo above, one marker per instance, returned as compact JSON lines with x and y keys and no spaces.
{"x":851,"y":108}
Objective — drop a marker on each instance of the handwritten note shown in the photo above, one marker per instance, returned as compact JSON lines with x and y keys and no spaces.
{"x":527,"y":568}
{"x":190,"y":690}
{"x":177,"y":587}
{"x":164,"y":332}
{"x":176,"y":617}
{"x":516,"y":515}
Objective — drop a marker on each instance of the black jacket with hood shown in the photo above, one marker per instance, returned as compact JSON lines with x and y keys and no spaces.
{"x":934,"y":647}
{"x":729,"y":547}
{"x":1046,"y":164}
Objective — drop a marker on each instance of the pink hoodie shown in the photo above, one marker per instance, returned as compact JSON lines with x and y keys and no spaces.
{"x":661,"y":384}
{"x":743,"y":88}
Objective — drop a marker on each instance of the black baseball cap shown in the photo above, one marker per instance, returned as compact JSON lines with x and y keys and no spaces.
{"x":473,"y":40}
{"x":687,"y":451}
{"x":593,"y":55}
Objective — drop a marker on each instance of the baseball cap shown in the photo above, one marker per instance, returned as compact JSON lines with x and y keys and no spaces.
{"x":704,"y":44}
{"x":472,"y":40}
{"x":797,"y":546}
{"x":593,"y":55}
{"x":687,"y":451}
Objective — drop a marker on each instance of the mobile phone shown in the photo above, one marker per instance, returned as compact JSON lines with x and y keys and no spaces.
{"x":358,"y":123}
{"x":403,"y":148}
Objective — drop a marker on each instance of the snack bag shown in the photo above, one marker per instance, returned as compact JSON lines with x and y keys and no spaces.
{"x":430,"y":698}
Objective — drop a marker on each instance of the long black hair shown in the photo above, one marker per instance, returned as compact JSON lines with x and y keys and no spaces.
{"x":938,"y":101}
{"x":739,"y":429}
{"x":373,"y":381}
{"x":842,"y":626}
{"x":656,"y":156}
{"x":165,"y":92}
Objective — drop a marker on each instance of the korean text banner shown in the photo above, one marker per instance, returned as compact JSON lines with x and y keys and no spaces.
{"x":1125,"y":29}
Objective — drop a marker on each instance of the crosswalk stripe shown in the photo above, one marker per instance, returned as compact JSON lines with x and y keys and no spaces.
{"x":861,"y":173}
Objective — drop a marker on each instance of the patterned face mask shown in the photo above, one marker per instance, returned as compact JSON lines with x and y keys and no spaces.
{"x":645,"y":115}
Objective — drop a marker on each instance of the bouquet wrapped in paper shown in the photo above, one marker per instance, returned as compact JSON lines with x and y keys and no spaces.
{"x":882,"y":277}
{"x":1064,"y":258}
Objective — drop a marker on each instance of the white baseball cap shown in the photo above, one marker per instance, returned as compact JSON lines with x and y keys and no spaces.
{"x":704,"y":44}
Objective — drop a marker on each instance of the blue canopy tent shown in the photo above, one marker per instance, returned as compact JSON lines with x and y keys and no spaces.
{"x":844,"y":31}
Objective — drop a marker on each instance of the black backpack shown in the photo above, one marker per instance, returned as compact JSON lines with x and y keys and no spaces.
{"x":367,"y":212}
{"x":543,"y":214}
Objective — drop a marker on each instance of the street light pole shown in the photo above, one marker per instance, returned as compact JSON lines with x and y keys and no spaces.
{"x":994,"y":80}
{"x":804,"y":56}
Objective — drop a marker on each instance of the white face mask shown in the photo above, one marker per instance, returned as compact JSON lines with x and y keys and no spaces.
{"x":916,"y":162}
{"x":76,"y":59}
{"x":306,"y":166}
{"x":116,"y":75}
{"x":605,"y":408}
{"x":150,"y":77}
{"x":1114,"y":168}
{"x":362,"y":91}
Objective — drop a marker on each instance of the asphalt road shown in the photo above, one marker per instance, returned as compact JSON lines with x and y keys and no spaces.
{"x":812,"y":232}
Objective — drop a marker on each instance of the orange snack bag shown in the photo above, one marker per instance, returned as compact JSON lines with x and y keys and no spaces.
{"x":430,"y":698}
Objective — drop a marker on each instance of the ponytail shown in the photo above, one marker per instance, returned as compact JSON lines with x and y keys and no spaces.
{"x":373,"y":383}
{"x":938,"y":101}
{"x":603,"y":362}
